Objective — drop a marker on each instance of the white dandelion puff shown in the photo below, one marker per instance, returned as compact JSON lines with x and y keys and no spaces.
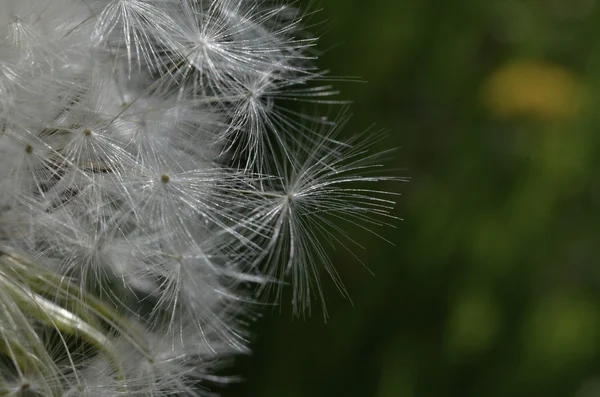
{"x":155,"y":186}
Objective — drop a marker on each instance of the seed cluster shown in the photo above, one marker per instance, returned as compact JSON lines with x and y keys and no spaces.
{"x":155,"y":188}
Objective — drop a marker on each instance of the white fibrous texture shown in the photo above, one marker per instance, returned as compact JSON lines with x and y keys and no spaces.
{"x":157,"y":188}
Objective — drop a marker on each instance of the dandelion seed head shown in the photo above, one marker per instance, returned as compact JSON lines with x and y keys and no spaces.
{"x":155,"y":189}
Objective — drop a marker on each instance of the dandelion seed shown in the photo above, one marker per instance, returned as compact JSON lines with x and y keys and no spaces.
{"x":298,"y":214}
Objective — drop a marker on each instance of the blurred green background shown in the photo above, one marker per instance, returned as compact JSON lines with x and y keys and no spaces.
{"x":493,"y":285}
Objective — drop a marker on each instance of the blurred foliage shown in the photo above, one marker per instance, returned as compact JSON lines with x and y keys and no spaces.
{"x":492,"y":287}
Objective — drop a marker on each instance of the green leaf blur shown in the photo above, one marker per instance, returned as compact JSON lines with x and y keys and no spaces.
{"x":493,"y":285}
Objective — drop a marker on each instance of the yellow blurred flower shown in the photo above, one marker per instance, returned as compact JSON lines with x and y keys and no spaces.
{"x":532,"y":88}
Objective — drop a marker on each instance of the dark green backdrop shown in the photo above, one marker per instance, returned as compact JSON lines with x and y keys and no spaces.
{"x":493,"y":285}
